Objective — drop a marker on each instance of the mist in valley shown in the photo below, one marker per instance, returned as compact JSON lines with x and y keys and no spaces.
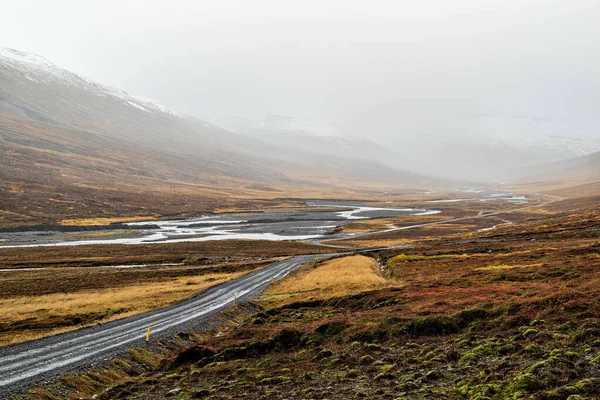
{"x":464,"y":89}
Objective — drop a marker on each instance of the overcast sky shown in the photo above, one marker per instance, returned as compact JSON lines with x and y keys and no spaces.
{"x":372,"y":67}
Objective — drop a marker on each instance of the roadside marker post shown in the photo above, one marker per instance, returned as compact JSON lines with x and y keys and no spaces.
{"x":272,"y":280}
{"x":148,"y":333}
{"x":234,"y":302}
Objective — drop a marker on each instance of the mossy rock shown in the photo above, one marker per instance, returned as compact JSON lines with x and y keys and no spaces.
{"x":530,"y":332}
{"x":263,"y":363}
{"x":566,"y":327}
{"x":372,"y":347}
{"x":274,"y":380}
{"x":479,"y":392}
{"x":189,"y":356}
{"x":356,"y":345}
{"x":434,"y":375}
{"x":325,"y":353}
{"x":331,"y":328}
{"x":585,"y":335}
{"x":353,"y":373}
{"x":384,"y":376}
{"x":527,"y":382}
{"x":533,"y":349}
{"x":366,"y":360}
{"x":483,"y":350}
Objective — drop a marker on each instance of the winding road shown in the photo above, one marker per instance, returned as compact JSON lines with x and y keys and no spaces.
{"x":24,"y":364}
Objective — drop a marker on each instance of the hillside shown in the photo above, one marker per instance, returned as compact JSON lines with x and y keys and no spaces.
{"x":578,"y":174}
{"x":73,"y":147}
{"x":294,"y":134}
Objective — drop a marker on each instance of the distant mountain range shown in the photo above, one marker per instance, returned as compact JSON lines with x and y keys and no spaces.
{"x":477,"y":154}
{"x":310,"y":136}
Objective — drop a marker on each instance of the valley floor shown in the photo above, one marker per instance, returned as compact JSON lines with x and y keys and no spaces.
{"x":467,"y":312}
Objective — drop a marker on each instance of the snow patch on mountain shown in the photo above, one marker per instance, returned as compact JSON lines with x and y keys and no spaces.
{"x":38,"y":69}
{"x":155,"y":105}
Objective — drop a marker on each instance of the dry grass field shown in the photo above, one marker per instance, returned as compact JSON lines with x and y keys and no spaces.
{"x":335,"y":278}
{"x":31,"y":317}
{"x":46,"y":290}
{"x":103,"y":221}
{"x":117,"y":254}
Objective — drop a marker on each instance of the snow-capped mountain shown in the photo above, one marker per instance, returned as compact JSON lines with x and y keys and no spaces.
{"x":37,"y":69}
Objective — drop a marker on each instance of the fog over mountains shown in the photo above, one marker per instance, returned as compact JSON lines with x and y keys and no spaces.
{"x":479,"y":154}
{"x":277,"y":147}
{"x":463,"y":89}
{"x":47,"y":111}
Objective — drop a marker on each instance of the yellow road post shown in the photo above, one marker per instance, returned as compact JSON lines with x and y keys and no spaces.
{"x":148,"y":333}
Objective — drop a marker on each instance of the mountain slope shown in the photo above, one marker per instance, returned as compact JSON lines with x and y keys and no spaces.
{"x":575,"y":171}
{"x":453,"y":138}
{"x":309,"y":136}
{"x":70,"y":146}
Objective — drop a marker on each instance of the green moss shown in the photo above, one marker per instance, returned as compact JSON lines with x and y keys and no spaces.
{"x":144,"y":357}
{"x":353,"y":373}
{"x":479,"y":391}
{"x":372,"y":347}
{"x":585,"y":335}
{"x":530,"y":332}
{"x":123,"y":366}
{"x":526,"y":382}
{"x":566,"y":327}
{"x":483,"y":350}
{"x":263,"y":363}
{"x":434,"y":375}
{"x":333,"y":361}
{"x":384,"y":376}
{"x":365,"y":360}
{"x":386,"y":367}
{"x":588,"y":386}
{"x":274,"y":380}
{"x":533,"y":349}
{"x":215,"y":364}
{"x":595,"y":360}
{"x":325,"y":353}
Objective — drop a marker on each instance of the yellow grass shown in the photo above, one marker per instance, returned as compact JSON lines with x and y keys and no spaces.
{"x":366,"y":243}
{"x":462,"y":227}
{"x":103,"y":221}
{"x":501,"y":267}
{"x":386,"y":223}
{"x":116,"y":302}
{"x":339,"y":277}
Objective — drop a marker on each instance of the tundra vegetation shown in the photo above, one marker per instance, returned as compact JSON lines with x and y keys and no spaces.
{"x":47,"y":290}
{"x":510,"y":313}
